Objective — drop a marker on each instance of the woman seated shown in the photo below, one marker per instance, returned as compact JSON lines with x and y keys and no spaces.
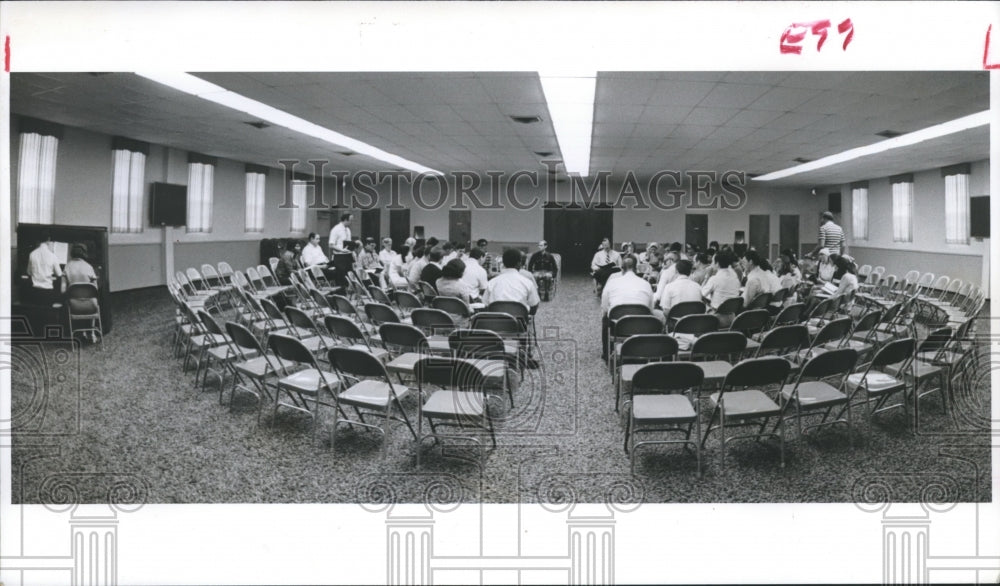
{"x":450,"y":283}
{"x":78,"y":270}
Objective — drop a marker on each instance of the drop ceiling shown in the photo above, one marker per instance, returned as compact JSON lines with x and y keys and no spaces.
{"x":756,"y":122}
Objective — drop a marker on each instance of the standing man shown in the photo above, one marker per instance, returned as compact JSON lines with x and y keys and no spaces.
{"x":543,"y":267}
{"x":605,"y":262}
{"x":340,"y":234}
{"x":44,"y":270}
{"x":831,"y":236}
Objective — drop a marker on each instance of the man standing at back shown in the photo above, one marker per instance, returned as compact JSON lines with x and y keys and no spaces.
{"x":340,"y":234}
{"x":831,"y":236}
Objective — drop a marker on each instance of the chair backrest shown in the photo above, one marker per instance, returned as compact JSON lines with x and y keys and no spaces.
{"x":760,"y":301}
{"x":266,"y":275}
{"x":403,"y":336}
{"x":344,"y":306}
{"x":344,"y":329}
{"x":717,"y":344}
{"x":758,"y":372}
{"x":501,"y":323}
{"x":272,"y":311}
{"x":406,"y":300}
{"x":784,"y":340}
{"x":911,"y":277}
{"x":255,"y":279}
{"x":833,"y":331}
{"x":272,"y":262}
{"x":751,"y":322}
{"x":357,"y":363}
{"x":452,"y":305}
{"x":865,"y":270}
{"x":667,"y":376}
{"x":224,"y":269}
{"x":514,"y":308}
{"x":379,"y":295}
{"x":936,"y":341}
{"x":210,"y":274}
{"x":941,"y":284}
{"x":659,"y":347}
{"x":790,"y":314}
{"x":637,"y":324}
{"x":925,"y":280}
{"x":879,"y":270}
{"x":212,"y":327}
{"x":895,"y":352}
{"x":731,"y":305}
{"x":780,"y":295}
{"x":696,"y":324}
{"x":685,"y":308}
{"x":380,"y":313}
{"x":195,"y":278}
{"x":432,"y":320}
{"x":820,"y":310}
{"x":453,"y":373}
{"x":427,"y":290}
{"x":828,"y":364}
{"x":476,"y":343}
{"x":243,"y":337}
{"x":289,"y":349}
{"x":300,"y":319}
{"x":868,"y":321}
{"x":624,"y":309}
{"x":82,"y":299}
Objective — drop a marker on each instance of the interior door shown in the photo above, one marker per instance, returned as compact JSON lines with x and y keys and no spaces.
{"x":399,"y":227}
{"x":575,"y":232}
{"x":696,"y":230}
{"x":760,"y":233}
{"x":788,"y":232}
{"x":371,"y":224}
{"x":460,"y":225}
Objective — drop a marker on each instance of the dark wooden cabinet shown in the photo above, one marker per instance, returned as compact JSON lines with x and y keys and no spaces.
{"x":95,"y":238}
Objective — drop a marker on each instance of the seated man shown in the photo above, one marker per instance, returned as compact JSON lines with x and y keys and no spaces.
{"x":626,"y":288}
{"x":682,"y":289}
{"x":606,"y":261}
{"x":511,"y":285}
{"x":312,"y":253}
{"x":45,"y":272}
{"x":432,"y":270}
{"x":543,"y":266}
{"x":475,"y":275}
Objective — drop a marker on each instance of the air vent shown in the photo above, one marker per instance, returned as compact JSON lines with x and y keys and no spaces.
{"x":802,"y":160}
{"x":888,"y":134}
{"x":346,"y":153}
{"x":258,"y":124}
{"x":526,"y":119}
{"x":544,"y":153}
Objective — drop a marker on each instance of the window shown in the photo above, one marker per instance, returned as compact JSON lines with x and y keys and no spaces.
{"x":126,"y":191}
{"x":859,"y":215}
{"x":956,"y":208}
{"x":902,"y":211}
{"x":299,"y":205}
{"x":255,"y":201}
{"x":200,"y":192}
{"x":36,"y":178}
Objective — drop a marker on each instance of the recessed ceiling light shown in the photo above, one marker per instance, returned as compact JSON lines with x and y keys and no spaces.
{"x":526,"y":119}
{"x":802,"y":160}
{"x":258,"y":124}
{"x":911,"y":138}
{"x":345,"y":153}
{"x":888,"y":134}
{"x":544,"y":153}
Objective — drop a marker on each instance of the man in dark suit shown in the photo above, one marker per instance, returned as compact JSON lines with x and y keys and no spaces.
{"x":432,"y":272}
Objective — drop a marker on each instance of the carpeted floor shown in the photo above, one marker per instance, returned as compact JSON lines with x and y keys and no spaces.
{"x":92,"y":420}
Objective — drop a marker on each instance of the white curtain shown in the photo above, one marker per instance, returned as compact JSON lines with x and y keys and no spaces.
{"x":956,"y":209}
{"x":255,"y":202}
{"x":859,"y":215}
{"x":200,"y":191}
{"x":126,"y":191}
{"x":902,"y":212}
{"x":36,"y":178}
{"x":299,"y":201}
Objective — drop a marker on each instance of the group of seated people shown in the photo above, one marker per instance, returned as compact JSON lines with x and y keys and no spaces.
{"x":712,"y":277}
{"x":49,"y":278}
{"x":452,"y":269}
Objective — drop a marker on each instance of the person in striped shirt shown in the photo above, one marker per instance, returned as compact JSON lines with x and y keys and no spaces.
{"x":831,"y":236}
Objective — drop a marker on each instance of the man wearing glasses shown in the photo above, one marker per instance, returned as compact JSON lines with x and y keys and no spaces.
{"x":543,"y":267}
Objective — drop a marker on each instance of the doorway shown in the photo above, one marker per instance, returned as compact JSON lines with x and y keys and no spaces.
{"x":371,"y":224}
{"x":575,"y":232}
{"x":788,"y":232}
{"x":460,"y":226}
{"x":696,"y":230}
{"x":399,"y":227}
{"x":760,"y":234}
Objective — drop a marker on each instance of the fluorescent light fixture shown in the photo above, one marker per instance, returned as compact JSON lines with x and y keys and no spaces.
{"x":570,"y":98}
{"x":943,"y":129}
{"x":196,"y":86}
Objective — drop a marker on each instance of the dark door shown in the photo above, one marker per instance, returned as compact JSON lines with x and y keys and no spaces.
{"x":696,"y":230}
{"x":788,"y":232}
{"x":460,"y":226}
{"x":399,"y":227}
{"x":371,"y":224}
{"x":760,"y":234}
{"x":575,"y":233}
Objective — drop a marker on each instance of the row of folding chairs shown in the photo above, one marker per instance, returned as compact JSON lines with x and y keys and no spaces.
{"x":940,"y":300}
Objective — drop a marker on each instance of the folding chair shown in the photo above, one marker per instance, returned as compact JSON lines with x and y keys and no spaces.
{"x":370,"y":391}
{"x":453,"y":394}
{"x":348,"y":333}
{"x":253,"y":364}
{"x":665,"y":398}
{"x":380,"y":313}
{"x":728,"y":310}
{"x":784,"y":341}
{"x":740,"y":402}
{"x":637,"y":350}
{"x":715,"y":353}
{"x":811,"y":392}
{"x":877,"y":386}
{"x":488,"y":353}
{"x":304,"y":329}
{"x":406,"y":345}
{"x":692,"y":327}
{"x":522,"y":314}
{"x":789,"y":315}
{"x":628,"y":326}
{"x":427,"y":291}
{"x":406,"y":301}
{"x":300,"y":378}
{"x":82,"y":305}
{"x":751,"y":323}
{"x":508,"y":327}
{"x":761,"y":301}
{"x":682,"y":309}
{"x":455,"y":307}
{"x":921,"y":371}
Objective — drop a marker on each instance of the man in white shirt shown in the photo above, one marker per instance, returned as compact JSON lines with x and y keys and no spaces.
{"x":312,"y":253}
{"x":669,"y":272}
{"x":417,"y":265}
{"x":511,"y":285}
{"x":43,"y":268}
{"x":340,"y":234}
{"x":682,"y":289}
{"x":475,"y":277}
{"x":757,"y":281}
{"x":385,"y":255}
{"x":605,"y":262}
{"x":627,"y":288}
{"x":724,"y":284}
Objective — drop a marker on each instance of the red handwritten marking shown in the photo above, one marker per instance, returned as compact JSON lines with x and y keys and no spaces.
{"x":986,"y":51}
{"x":847,"y":25}
{"x":789,"y":40}
{"x":6,"y":53}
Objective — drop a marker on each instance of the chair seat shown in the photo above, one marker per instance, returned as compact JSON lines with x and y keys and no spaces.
{"x":202,"y":340}
{"x":860,"y":346}
{"x":225,"y":353}
{"x":749,"y":403}
{"x":438,"y":344}
{"x":380,"y":353}
{"x":814,"y":394}
{"x":922,"y":369}
{"x":752,"y":346}
{"x":404,"y":363}
{"x":946,"y":358}
{"x":492,"y":370}
{"x":662,"y":409}
{"x":454,"y":405}
{"x":877,"y":382}
{"x":308,"y":381}
{"x":715,"y":370}
{"x":371,"y":393}
{"x":258,"y":367}
{"x":317,"y":343}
